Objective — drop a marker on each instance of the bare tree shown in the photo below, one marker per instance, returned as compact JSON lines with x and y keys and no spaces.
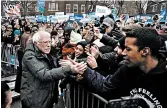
{"x":109,"y":3}
{"x":25,"y":4}
{"x":140,"y":5}
{"x":120,"y":6}
{"x":92,"y":4}
{"x":143,"y":4}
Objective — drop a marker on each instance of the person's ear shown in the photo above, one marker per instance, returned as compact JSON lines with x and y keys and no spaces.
{"x":35,"y":43}
{"x":145,"y":51}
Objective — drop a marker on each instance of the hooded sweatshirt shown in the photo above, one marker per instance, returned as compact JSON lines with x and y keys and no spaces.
{"x":132,"y":81}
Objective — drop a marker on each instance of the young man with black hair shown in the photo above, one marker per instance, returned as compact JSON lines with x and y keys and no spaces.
{"x":142,"y":77}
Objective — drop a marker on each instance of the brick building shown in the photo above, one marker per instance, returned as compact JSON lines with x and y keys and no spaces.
{"x":156,"y":7}
{"x":29,"y":8}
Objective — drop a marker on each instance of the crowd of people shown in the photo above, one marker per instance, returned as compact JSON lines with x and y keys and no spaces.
{"x":107,"y":57}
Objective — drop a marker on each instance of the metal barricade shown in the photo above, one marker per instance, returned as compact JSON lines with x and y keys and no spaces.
{"x":78,"y":97}
{"x":9,"y":56}
{"x":7,"y":52}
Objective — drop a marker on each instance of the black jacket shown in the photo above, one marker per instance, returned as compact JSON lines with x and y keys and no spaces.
{"x":132,"y":81}
{"x":115,"y":34}
{"x":19,"y":70}
{"x":110,"y":41}
{"x":107,"y":64}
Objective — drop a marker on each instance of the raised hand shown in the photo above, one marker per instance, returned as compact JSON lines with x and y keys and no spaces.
{"x":98,"y":35}
{"x":78,"y":68}
{"x":87,"y":49}
{"x":92,"y":62}
{"x":72,"y":61}
{"x":64,"y":63}
{"x":94,"y":51}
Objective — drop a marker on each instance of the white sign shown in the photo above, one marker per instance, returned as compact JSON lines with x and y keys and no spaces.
{"x":31,"y":18}
{"x":145,"y":17}
{"x":59,"y":13}
{"x":62,"y":18}
{"x":70,"y":14}
{"x":101,"y":10}
{"x":12,"y":10}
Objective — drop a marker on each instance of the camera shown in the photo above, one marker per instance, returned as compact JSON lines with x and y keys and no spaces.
{"x":103,"y":29}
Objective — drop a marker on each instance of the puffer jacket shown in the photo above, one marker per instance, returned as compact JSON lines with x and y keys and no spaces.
{"x":40,"y":75}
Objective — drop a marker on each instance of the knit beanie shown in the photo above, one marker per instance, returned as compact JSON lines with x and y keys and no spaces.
{"x":82,"y":43}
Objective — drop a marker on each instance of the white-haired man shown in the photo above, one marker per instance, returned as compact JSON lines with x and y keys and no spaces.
{"x":40,"y":73}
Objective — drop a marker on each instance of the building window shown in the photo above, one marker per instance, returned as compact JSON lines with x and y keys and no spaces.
{"x":52,"y":6}
{"x":57,"y":6}
{"x":90,"y":9}
{"x":68,"y":8}
{"x":29,"y":7}
{"x":82,"y":8}
{"x":75,"y":8}
{"x":154,"y":9}
{"x":163,"y":6}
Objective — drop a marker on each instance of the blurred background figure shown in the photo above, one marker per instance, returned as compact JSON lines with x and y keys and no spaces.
{"x":6,"y":95}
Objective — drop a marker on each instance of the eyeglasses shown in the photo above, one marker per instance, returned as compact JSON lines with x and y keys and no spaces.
{"x":45,"y":42}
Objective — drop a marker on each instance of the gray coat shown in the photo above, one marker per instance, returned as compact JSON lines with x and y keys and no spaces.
{"x":40,"y":75}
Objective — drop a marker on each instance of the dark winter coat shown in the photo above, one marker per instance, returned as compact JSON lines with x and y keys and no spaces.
{"x":40,"y":75}
{"x":110,"y":41}
{"x":132,"y":81}
{"x":19,"y":70}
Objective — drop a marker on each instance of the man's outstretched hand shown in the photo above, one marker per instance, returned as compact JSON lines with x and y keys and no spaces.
{"x":74,"y":66}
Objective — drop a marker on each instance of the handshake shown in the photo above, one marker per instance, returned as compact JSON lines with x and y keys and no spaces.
{"x":80,"y":68}
{"x":75,"y":67}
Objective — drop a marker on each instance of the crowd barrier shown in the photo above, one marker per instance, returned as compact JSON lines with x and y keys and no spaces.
{"x":78,"y":97}
{"x":9,"y":55}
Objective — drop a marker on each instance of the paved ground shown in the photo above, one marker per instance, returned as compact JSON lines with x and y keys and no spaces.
{"x":16,"y":104}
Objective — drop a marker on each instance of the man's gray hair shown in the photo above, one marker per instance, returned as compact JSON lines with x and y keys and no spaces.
{"x":36,"y":37}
